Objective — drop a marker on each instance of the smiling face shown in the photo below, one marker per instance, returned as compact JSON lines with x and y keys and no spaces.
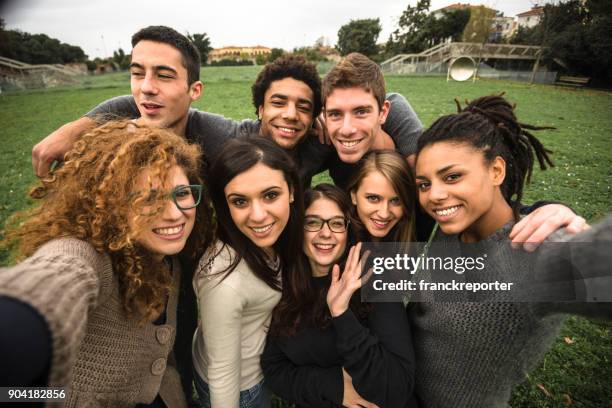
{"x":353,"y":120}
{"x":159,"y":85}
{"x":324,"y":247}
{"x":460,"y":190}
{"x":167,"y":232}
{"x":259,"y":204}
{"x":286,"y":113}
{"x":379,"y":207}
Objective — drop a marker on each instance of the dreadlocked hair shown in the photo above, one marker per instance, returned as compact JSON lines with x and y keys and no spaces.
{"x":92,"y":197}
{"x":489,"y":124}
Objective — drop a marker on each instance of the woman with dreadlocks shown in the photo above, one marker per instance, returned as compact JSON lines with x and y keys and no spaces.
{"x":470,"y":172}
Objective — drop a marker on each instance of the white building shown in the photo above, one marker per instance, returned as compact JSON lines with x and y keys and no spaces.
{"x":530,"y":18}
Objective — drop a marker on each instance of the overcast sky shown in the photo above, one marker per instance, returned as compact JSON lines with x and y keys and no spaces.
{"x":99,"y":27}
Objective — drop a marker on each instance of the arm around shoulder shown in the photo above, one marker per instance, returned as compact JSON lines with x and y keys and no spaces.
{"x":57,"y":144}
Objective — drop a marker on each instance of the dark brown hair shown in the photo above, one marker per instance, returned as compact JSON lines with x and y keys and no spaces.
{"x":189,"y":53}
{"x":288,"y":66}
{"x":238,"y":156}
{"x":303,"y":305}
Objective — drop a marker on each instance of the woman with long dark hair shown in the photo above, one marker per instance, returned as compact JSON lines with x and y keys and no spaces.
{"x":257,"y":196}
{"x":326,"y":348}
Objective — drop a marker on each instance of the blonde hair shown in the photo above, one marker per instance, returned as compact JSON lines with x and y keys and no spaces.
{"x":395,"y":169}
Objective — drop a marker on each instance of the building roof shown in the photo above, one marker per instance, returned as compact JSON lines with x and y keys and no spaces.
{"x":535,"y":11}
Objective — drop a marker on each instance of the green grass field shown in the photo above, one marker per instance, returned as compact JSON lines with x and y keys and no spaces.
{"x":577,"y":371}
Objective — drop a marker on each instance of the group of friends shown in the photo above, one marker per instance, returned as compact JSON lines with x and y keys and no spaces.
{"x":175,"y":248}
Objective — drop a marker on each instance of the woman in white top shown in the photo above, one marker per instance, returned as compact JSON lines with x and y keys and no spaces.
{"x":258,"y":201}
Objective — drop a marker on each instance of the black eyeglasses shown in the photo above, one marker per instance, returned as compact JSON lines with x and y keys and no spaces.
{"x":184,"y":197}
{"x":313,"y":223}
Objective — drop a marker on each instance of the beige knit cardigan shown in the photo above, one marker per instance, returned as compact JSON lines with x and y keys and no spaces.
{"x":102,"y":357}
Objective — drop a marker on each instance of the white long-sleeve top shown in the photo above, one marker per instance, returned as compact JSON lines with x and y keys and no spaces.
{"x":235,"y":315}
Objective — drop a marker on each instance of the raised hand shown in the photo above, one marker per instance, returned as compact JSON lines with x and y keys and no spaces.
{"x":342,"y":287}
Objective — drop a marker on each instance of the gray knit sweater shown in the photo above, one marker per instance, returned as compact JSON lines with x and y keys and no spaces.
{"x":104,"y":358}
{"x":473,"y":354}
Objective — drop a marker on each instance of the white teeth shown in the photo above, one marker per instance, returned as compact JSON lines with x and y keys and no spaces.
{"x":380,"y":223}
{"x":349,"y":143}
{"x":447,"y":211}
{"x":168,"y":231}
{"x":262,"y":229}
{"x":324,"y":246}
{"x":284,"y":129}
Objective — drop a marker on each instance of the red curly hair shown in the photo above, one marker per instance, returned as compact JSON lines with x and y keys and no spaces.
{"x":91,"y":198}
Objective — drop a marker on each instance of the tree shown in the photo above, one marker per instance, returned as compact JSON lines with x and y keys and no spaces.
{"x":409,"y":37}
{"x":121,"y":59}
{"x":577,"y":33}
{"x":479,"y":25}
{"x":418,"y":29}
{"x":202,"y":43}
{"x":451,"y":24}
{"x":38,"y":49}
{"x":275,"y":53}
{"x":310,"y":53}
{"x":527,"y":36}
{"x":359,"y":36}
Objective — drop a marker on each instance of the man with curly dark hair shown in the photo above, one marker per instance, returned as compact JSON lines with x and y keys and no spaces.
{"x":289,"y":80}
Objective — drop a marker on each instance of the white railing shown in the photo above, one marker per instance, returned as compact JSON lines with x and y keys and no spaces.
{"x":435,"y":56}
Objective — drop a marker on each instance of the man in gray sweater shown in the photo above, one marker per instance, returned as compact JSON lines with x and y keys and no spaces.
{"x":286,"y":97}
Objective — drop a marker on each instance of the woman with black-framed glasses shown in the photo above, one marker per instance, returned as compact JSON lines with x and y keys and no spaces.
{"x":93,"y":306}
{"x":325,"y":351}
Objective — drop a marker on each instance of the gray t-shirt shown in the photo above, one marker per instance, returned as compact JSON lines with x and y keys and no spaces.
{"x":211,"y":131}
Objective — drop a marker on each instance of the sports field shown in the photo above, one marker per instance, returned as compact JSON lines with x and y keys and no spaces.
{"x":578,"y":370}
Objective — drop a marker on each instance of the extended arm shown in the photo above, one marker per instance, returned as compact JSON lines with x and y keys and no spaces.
{"x":583,"y":261}
{"x":62,"y":283}
{"x":25,"y":344}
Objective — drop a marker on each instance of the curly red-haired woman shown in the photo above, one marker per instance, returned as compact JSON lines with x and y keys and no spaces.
{"x":94,"y":296}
